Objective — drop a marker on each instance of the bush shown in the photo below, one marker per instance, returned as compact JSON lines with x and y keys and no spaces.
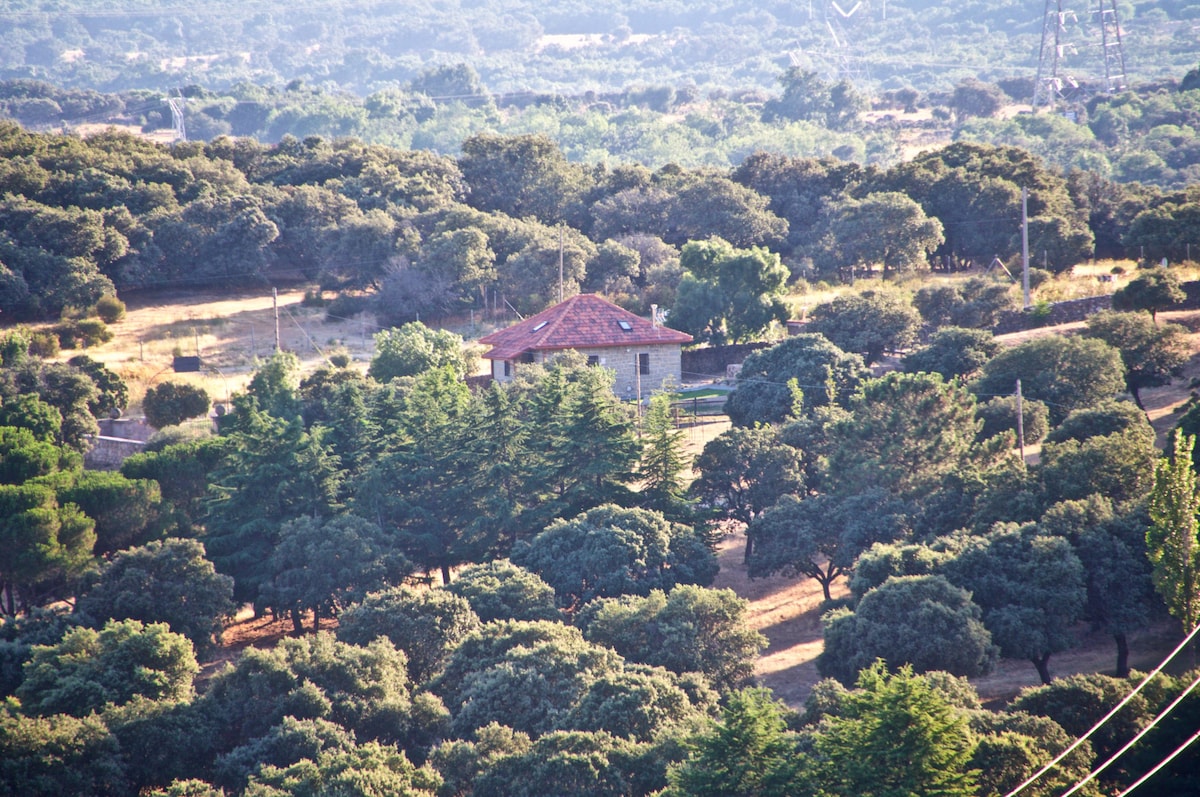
{"x":43,"y":344}
{"x":85,"y":332}
{"x":171,"y":403}
{"x":314,"y":297}
{"x":345,"y":305}
{"x":110,"y":309}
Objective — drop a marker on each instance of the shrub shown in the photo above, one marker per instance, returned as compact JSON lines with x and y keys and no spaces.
{"x":110,"y":309}
{"x":346,"y":305}
{"x":85,"y":332}
{"x":43,"y":344}
{"x":314,"y":297}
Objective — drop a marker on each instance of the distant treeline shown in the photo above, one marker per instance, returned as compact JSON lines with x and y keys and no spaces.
{"x":429,"y":234}
{"x":519,"y":45}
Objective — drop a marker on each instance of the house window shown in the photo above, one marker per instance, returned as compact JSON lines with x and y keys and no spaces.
{"x":507,"y":368}
{"x":593,"y":359}
{"x":644,"y":364}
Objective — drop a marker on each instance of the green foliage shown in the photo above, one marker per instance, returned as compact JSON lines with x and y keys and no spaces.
{"x":1152,"y":355}
{"x":895,"y":735}
{"x":275,"y":385}
{"x":663,"y":459}
{"x":743,"y":471}
{"x":24,"y":457}
{"x":728,"y":292}
{"x":999,"y":415}
{"x":68,"y":389}
{"x":500,"y":590}
{"x":112,"y":392}
{"x":1172,"y":542}
{"x":610,"y":551}
{"x":58,"y":754}
{"x":521,"y":176}
{"x":1065,"y":373}
{"x":47,"y":546}
{"x":820,"y":537}
{"x":325,"y":566}
{"x":425,"y":625}
{"x":748,"y":753}
{"x":921,"y":621}
{"x":953,"y":352}
{"x":1030,"y":586}
{"x":642,"y":704}
{"x":1152,"y":290}
{"x":273,"y":471}
{"x":182,"y":473}
{"x":883,"y":228}
{"x":110,"y":309}
{"x":1119,"y":466}
{"x":904,"y":434}
{"x":365,"y":690}
{"x":974,"y":304}
{"x":461,"y":762}
{"x":370,"y":769}
{"x":163,"y":582}
{"x":1109,"y":417}
{"x":869,"y":323}
{"x":689,"y":629}
{"x":571,"y":762}
{"x":417,"y":488}
{"x":1013,"y":746}
{"x":1112,"y":548}
{"x":88,"y":669}
{"x":824,"y":373}
{"x":27,"y":411}
{"x":172,"y":403}
{"x":413,"y":348}
{"x":975,"y":98}
{"x":126,"y":511}
{"x":1078,"y":702}
{"x":532,"y":688}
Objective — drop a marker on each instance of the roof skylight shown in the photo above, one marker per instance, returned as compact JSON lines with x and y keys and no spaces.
{"x":540,"y":325}
{"x":625,"y":325}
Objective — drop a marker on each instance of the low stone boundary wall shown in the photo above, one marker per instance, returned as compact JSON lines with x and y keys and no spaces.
{"x":712,"y":362}
{"x":107,"y":453}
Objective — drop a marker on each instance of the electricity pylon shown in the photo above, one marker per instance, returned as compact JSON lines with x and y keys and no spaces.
{"x":1062,"y":40}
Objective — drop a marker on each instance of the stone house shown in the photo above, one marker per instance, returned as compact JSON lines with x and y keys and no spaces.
{"x":643,"y":353}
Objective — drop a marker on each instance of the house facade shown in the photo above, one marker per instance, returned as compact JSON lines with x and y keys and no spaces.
{"x":643,"y":353}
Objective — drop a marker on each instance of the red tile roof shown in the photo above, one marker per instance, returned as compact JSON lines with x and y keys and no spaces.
{"x":585,"y":321}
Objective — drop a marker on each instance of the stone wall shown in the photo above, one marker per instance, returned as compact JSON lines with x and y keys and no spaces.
{"x":107,"y":453}
{"x":1059,"y":313}
{"x":1078,"y":310}
{"x":126,"y":428}
{"x":712,"y":362}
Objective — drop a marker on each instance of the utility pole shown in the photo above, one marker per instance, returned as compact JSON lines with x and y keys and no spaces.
{"x":275,"y":305}
{"x":560,"y":264}
{"x":1020,"y":424}
{"x":637,"y":369}
{"x":1025,"y":243}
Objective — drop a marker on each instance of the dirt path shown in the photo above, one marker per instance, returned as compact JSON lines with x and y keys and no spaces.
{"x":787,"y":611}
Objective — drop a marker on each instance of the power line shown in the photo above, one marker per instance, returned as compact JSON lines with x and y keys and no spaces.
{"x":1071,"y":748}
{"x":1161,"y":764}
{"x":1161,"y":716}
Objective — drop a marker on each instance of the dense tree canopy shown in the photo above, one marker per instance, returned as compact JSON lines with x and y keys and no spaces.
{"x":823,"y":373}
{"x":609,"y":551}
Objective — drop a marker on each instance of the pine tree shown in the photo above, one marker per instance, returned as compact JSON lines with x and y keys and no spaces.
{"x":662,"y":458}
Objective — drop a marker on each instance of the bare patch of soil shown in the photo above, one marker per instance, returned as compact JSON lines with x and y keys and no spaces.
{"x":788,"y":612}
